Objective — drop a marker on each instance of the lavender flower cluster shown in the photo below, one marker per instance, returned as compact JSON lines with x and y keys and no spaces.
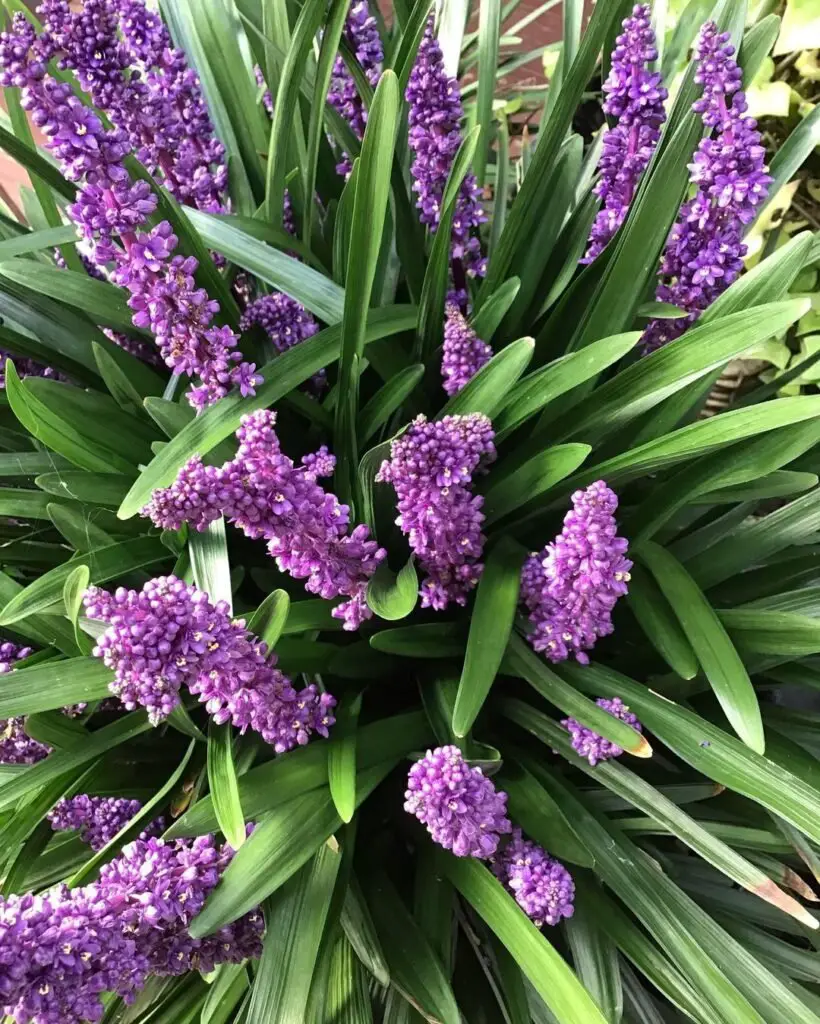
{"x":704,"y":253}
{"x":635,"y":96}
{"x":362,"y":35}
{"x":594,"y":747}
{"x":435,"y":117}
{"x":16,"y":747}
{"x":571,"y":587}
{"x":60,"y":950}
{"x":463,"y":354}
{"x":430,"y":467}
{"x":466,"y":814}
{"x":268,"y":497}
{"x":97,"y":818}
{"x":169,"y":635}
{"x":111,"y":209}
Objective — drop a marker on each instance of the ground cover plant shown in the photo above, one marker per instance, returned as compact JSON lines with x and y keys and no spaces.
{"x":387,"y":635}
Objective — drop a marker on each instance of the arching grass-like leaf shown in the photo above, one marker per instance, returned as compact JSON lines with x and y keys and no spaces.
{"x":490,"y":627}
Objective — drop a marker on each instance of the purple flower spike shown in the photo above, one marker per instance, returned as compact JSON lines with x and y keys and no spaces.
{"x":461,"y":808}
{"x":16,"y":747}
{"x":285,"y":321}
{"x":635,"y":96}
{"x":704,"y":253}
{"x":541,"y":885}
{"x":571,"y":587}
{"x":268,"y":497}
{"x":98,"y":818}
{"x":430,"y":467}
{"x":589,"y":744}
{"x":60,"y":950}
{"x":464,"y":352}
{"x":435,"y":118}
{"x":169,"y":635}
{"x":361,"y":33}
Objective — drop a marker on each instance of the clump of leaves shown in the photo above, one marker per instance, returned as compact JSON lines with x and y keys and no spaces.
{"x":694,"y":854}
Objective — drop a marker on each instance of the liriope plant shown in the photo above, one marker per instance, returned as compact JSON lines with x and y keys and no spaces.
{"x":387,"y":634}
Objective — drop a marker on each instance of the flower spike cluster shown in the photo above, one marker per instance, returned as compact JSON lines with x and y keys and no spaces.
{"x":460,"y":806}
{"x":571,"y":587}
{"x":464,"y":353}
{"x":591,"y":745}
{"x":263,"y":493}
{"x":111,"y":210}
{"x":169,"y":635}
{"x":361,"y":33}
{"x":60,"y":950}
{"x":97,"y":818}
{"x":704,"y":253}
{"x":464,"y":812}
{"x":541,"y":885}
{"x":635,"y":96}
{"x":435,"y":118}
{"x":430,"y":467}
{"x":16,"y":747}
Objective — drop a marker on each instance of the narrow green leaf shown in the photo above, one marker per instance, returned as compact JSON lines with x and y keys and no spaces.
{"x":512,"y":250}
{"x":285,"y":105}
{"x":369,"y":210}
{"x":664,"y":372}
{"x":57,"y":433}
{"x":103,"y":301}
{"x":296,"y":919}
{"x":275,"y":851}
{"x":660,"y":627}
{"x":361,"y":933}
{"x":61,"y":761}
{"x":415,"y":970}
{"x":486,"y":320}
{"x":209,"y":561}
{"x":721,"y":663}
{"x":549,"y":974}
{"x":429,"y":640}
{"x":490,"y":627}
{"x":537,"y":814}
{"x":511,"y":491}
{"x":222,"y":781}
{"x":89,"y":488}
{"x":490,"y":387}
{"x":708,"y":749}
{"x":638,"y":793}
{"x":530,"y":666}
{"x":595,"y":957}
{"x":104,"y":564}
{"x":268,"y":621}
{"x":36,"y":241}
{"x":221,"y":420}
{"x":308,"y":286}
{"x":791,"y":155}
{"x":341,"y":758}
{"x":437,"y":276}
{"x":538,"y":389}
{"x":33,"y":161}
{"x":55,"y":684}
{"x":387,"y":400}
{"x":489,"y":29}
{"x":392,"y":595}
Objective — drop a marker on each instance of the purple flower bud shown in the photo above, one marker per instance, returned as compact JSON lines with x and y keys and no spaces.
{"x":361,"y":33}
{"x":268,"y":497}
{"x":461,"y":808}
{"x":430,"y":467}
{"x":571,"y":587}
{"x":464,"y":352}
{"x":169,"y":635}
{"x":635,"y":96}
{"x":435,"y":118}
{"x":589,"y":744}
{"x":541,"y":885}
{"x":98,"y":818}
{"x":704,"y":253}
